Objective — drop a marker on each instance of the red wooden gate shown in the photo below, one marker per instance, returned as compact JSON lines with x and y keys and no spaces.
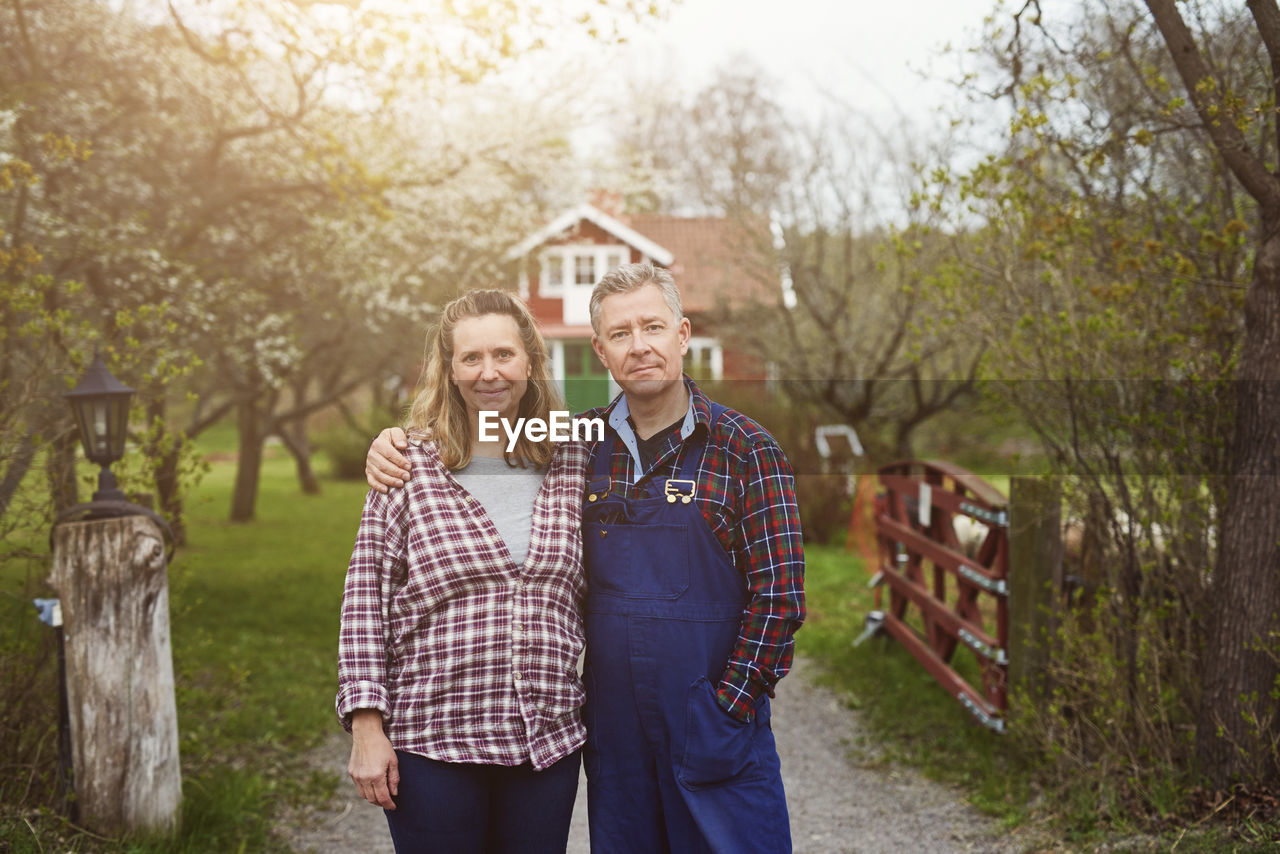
{"x":923,"y":561}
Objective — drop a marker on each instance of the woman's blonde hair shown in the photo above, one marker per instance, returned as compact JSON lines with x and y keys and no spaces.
{"x":439,"y":410}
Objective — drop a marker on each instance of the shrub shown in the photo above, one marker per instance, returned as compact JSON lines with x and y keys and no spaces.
{"x":824,"y":496}
{"x":346,"y":444}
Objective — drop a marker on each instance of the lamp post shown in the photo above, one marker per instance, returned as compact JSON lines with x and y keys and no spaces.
{"x":109,"y":568}
{"x":101,"y":405}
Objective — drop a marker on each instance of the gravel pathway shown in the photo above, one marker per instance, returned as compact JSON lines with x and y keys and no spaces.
{"x":838,"y":804}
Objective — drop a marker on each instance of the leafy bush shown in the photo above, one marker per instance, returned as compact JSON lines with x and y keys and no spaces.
{"x":824,"y":496}
{"x":29,"y":680}
{"x":347,"y":443}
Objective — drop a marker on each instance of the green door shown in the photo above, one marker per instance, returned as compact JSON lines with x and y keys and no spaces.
{"x":586,"y":382}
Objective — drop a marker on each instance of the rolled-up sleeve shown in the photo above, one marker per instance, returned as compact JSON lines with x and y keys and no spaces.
{"x":364,"y":637}
{"x":774,"y":568}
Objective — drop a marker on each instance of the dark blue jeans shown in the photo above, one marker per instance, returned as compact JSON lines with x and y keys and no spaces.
{"x":457,"y":808}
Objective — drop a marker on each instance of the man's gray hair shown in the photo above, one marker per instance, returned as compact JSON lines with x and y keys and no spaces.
{"x":627,"y":278}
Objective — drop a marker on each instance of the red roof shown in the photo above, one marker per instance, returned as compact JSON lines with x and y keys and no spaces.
{"x":714,"y":259}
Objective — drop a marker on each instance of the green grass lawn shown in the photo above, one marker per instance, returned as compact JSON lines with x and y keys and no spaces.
{"x":254,"y":618}
{"x":255,"y":628}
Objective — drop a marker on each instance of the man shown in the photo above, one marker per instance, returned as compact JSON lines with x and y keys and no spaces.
{"x":694,"y":560}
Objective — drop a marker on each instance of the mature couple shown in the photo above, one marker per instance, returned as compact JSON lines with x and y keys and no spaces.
{"x":671,"y":548}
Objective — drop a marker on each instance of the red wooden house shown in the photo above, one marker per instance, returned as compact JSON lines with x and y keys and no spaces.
{"x":561,"y":263}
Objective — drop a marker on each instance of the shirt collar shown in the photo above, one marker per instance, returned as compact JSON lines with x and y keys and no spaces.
{"x":699,"y":412}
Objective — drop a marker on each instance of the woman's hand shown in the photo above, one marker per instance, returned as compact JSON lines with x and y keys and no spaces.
{"x":384,"y":466}
{"x":374,"y":767}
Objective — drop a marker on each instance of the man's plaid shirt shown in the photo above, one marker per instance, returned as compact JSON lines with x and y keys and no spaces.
{"x":469,"y":657}
{"x":747,"y":494}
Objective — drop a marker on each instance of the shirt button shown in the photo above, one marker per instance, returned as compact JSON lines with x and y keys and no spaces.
{"x":516,"y":676}
{"x":519,"y":627}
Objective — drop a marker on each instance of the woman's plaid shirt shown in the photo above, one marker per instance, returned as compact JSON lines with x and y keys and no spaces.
{"x":469,"y":657}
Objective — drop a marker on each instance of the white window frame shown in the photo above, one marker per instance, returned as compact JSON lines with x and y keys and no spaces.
{"x":564,"y":255}
{"x":555,"y":349}
{"x":556,"y":256}
{"x":715,"y":354}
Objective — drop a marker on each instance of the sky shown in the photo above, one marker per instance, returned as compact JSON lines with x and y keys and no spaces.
{"x":881,"y":59}
{"x":867,"y":53}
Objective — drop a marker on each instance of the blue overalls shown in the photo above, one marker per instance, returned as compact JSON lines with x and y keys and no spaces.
{"x":668,"y":770}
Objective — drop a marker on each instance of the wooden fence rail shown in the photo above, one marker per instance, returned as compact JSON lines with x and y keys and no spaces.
{"x":943,"y":534}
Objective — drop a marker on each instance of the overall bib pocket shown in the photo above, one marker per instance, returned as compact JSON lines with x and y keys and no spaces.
{"x":637,"y":561}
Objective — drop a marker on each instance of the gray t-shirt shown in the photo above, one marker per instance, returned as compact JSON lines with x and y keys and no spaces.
{"x":506,"y":494}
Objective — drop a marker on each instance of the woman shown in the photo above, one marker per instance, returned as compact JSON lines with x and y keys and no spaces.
{"x":462,"y":613}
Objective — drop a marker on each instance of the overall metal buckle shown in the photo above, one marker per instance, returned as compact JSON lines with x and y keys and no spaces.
{"x":682,"y":489}
{"x":599,"y":489}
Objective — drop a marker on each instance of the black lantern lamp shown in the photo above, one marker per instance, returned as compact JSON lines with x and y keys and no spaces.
{"x":101,"y":405}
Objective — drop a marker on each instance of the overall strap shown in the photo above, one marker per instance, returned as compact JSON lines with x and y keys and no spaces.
{"x":601,"y":481}
{"x":604,"y":453}
{"x":693,"y":454}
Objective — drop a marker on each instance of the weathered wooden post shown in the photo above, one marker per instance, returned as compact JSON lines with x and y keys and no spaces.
{"x":110,"y":571}
{"x":111,"y":577}
{"x":1035,"y":576}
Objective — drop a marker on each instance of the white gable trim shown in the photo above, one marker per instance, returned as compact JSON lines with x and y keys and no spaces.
{"x":570,"y":218}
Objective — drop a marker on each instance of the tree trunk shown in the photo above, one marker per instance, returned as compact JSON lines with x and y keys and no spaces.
{"x":167,"y":452}
{"x":1035,"y":579}
{"x":60,"y":467}
{"x":110,"y":576}
{"x":1237,"y":727}
{"x":294,"y":438}
{"x":19,"y":464}
{"x":903,"y":447}
{"x":244,"y":498}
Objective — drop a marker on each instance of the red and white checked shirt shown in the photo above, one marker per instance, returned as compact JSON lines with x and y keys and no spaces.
{"x":469,"y":657}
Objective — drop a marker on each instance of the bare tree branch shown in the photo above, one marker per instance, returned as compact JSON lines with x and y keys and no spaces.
{"x":1201,"y":87}
{"x":1267,"y":17}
